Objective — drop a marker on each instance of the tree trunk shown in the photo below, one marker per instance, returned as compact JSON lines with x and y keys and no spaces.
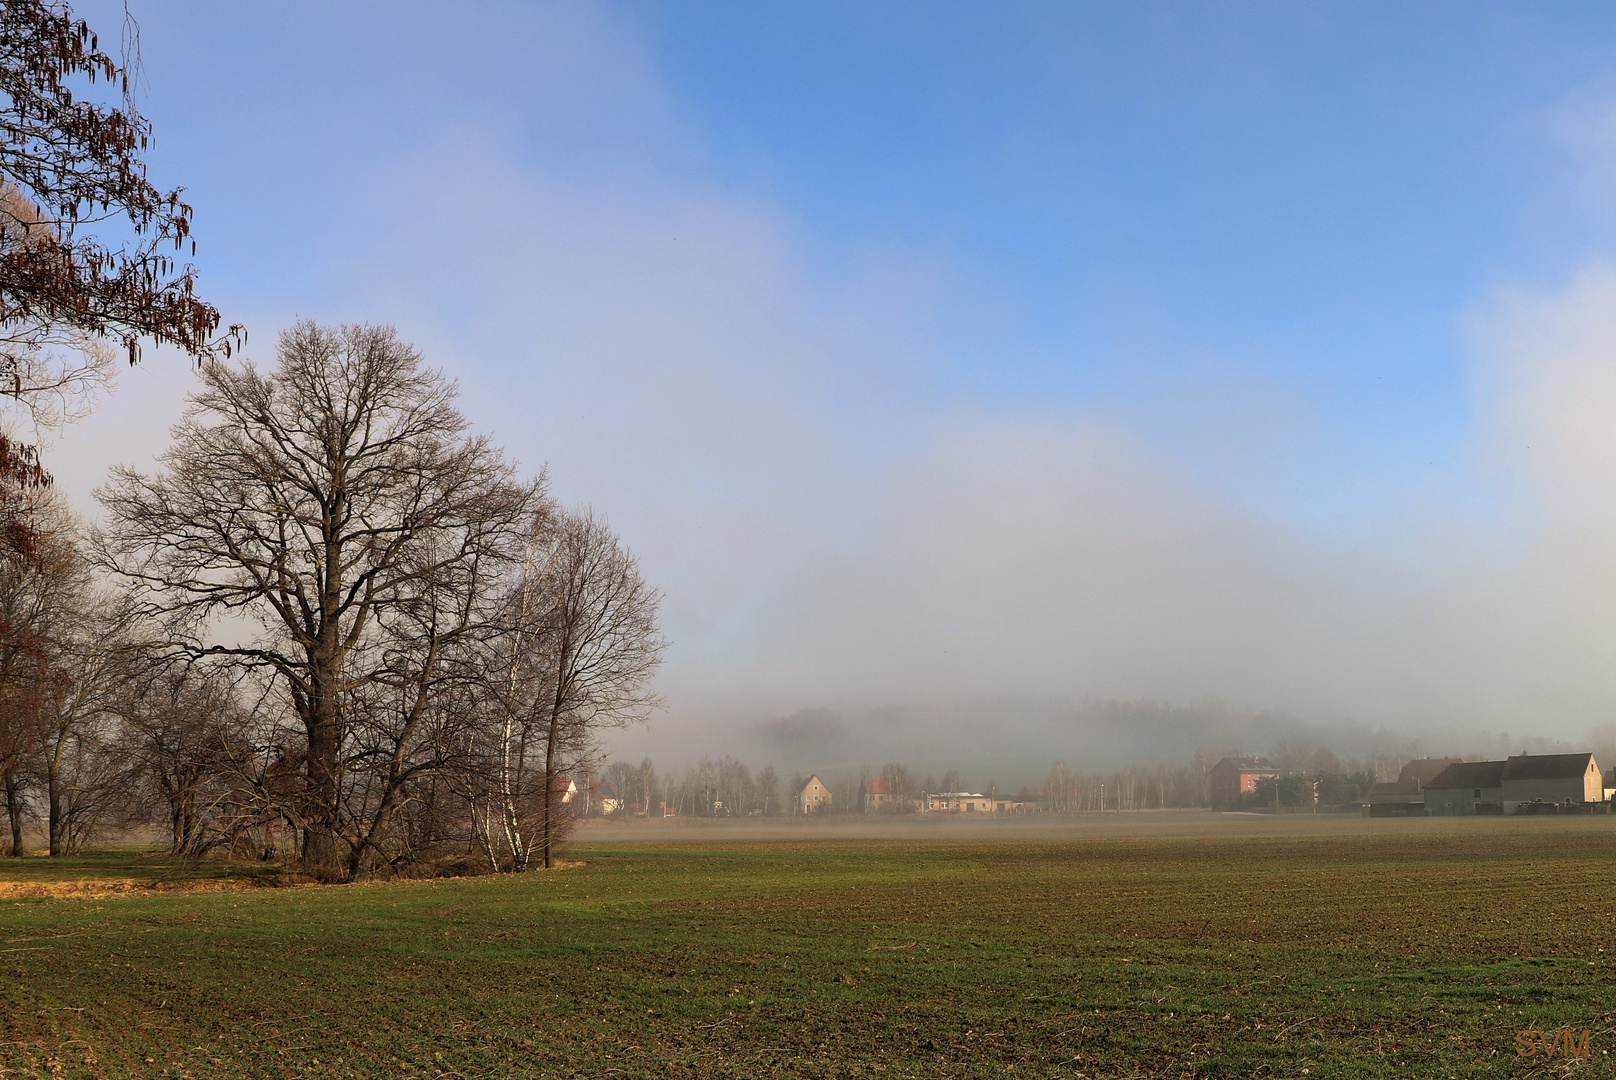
{"x":57,"y":827}
{"x":321,"y":835}
{"x":509,"y":820}
{"x":549,"y":787}
{"x":14,"y":812}
{"x":320,"y":839}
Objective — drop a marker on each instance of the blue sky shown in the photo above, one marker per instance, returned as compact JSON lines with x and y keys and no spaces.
{"x":1154,"y":195}
{"x":1127,"y":349}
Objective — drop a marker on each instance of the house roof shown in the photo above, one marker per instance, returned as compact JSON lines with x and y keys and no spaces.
{"x":1423,"y":770}
{"x":1469,"y":774}
{"x":877,"y":785}
{"x":604,"y":788}
{"x":1396,"y":787}
{"x":1546,"y":766}
{"x":813,"y":778}
{"x":1248,"y":764}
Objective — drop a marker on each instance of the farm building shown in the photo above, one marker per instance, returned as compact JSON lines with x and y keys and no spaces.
{"x":813,"y":797}
{"x":1234,"y":779}
{"x":1505,"y":787}
{"x":962,"y":802}
{"x":1467,"y":787}
{"x":1551,"y":778}
{"x":1406,"y":794}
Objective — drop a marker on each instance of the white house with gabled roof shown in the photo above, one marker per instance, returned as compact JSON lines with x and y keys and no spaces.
{"x":814,"y":797}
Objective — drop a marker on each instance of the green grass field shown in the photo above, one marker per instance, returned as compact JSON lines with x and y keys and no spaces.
{"x":1322,"y":948}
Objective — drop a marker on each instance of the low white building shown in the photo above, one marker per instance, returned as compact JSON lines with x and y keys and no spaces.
{"x":958,"y":802}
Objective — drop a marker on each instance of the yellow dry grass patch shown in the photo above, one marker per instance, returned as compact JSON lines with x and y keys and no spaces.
{"x":108,"y":888}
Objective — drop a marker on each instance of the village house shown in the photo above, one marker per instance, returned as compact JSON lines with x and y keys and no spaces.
{"x":603,"y":798}
{"x":813,"y":797}
{"x":878,"y":794}
{"x":1405,"y":796}
{"x":1234,"y":779}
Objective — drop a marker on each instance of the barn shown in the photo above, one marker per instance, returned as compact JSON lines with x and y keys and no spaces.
{"x":1512,"y":785}
{"x":1467,"y":787}
{"x":1551,"y":778}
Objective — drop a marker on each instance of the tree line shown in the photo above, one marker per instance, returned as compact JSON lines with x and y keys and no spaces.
{"x":334,"y":625}
{"x":723,"y":788}
{"x":729,"y":788}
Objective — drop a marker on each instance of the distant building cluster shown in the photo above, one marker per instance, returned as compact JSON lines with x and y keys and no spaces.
{"x":1449,"y":786}
{"x":1523,"y":784}
{"x":882,"y":794}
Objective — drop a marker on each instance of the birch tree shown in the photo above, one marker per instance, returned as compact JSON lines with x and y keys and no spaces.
{"x":586,"y":646}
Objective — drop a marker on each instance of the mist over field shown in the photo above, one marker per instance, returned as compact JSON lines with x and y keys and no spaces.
{"x":1010,"y":743}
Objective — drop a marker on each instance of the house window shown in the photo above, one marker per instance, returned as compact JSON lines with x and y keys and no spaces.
{"x":1478,"y":793}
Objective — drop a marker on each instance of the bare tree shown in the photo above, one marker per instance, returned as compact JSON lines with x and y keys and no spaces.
{"x":900,"y":786}
{"x":43,"y":588}
{"x":331,"y":523}
{"x":769,"y":790}
{"x":587,"y":646}
{"x":647,"y":785}
{"x":81,"y":772}
{"x":625,"y":778}
{"x":189,"y":746}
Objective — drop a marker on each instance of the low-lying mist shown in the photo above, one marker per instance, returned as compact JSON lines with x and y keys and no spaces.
{"x":1012,"y":743}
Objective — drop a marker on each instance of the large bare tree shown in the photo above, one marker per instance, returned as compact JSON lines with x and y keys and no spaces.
{"x":330,"y":522}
